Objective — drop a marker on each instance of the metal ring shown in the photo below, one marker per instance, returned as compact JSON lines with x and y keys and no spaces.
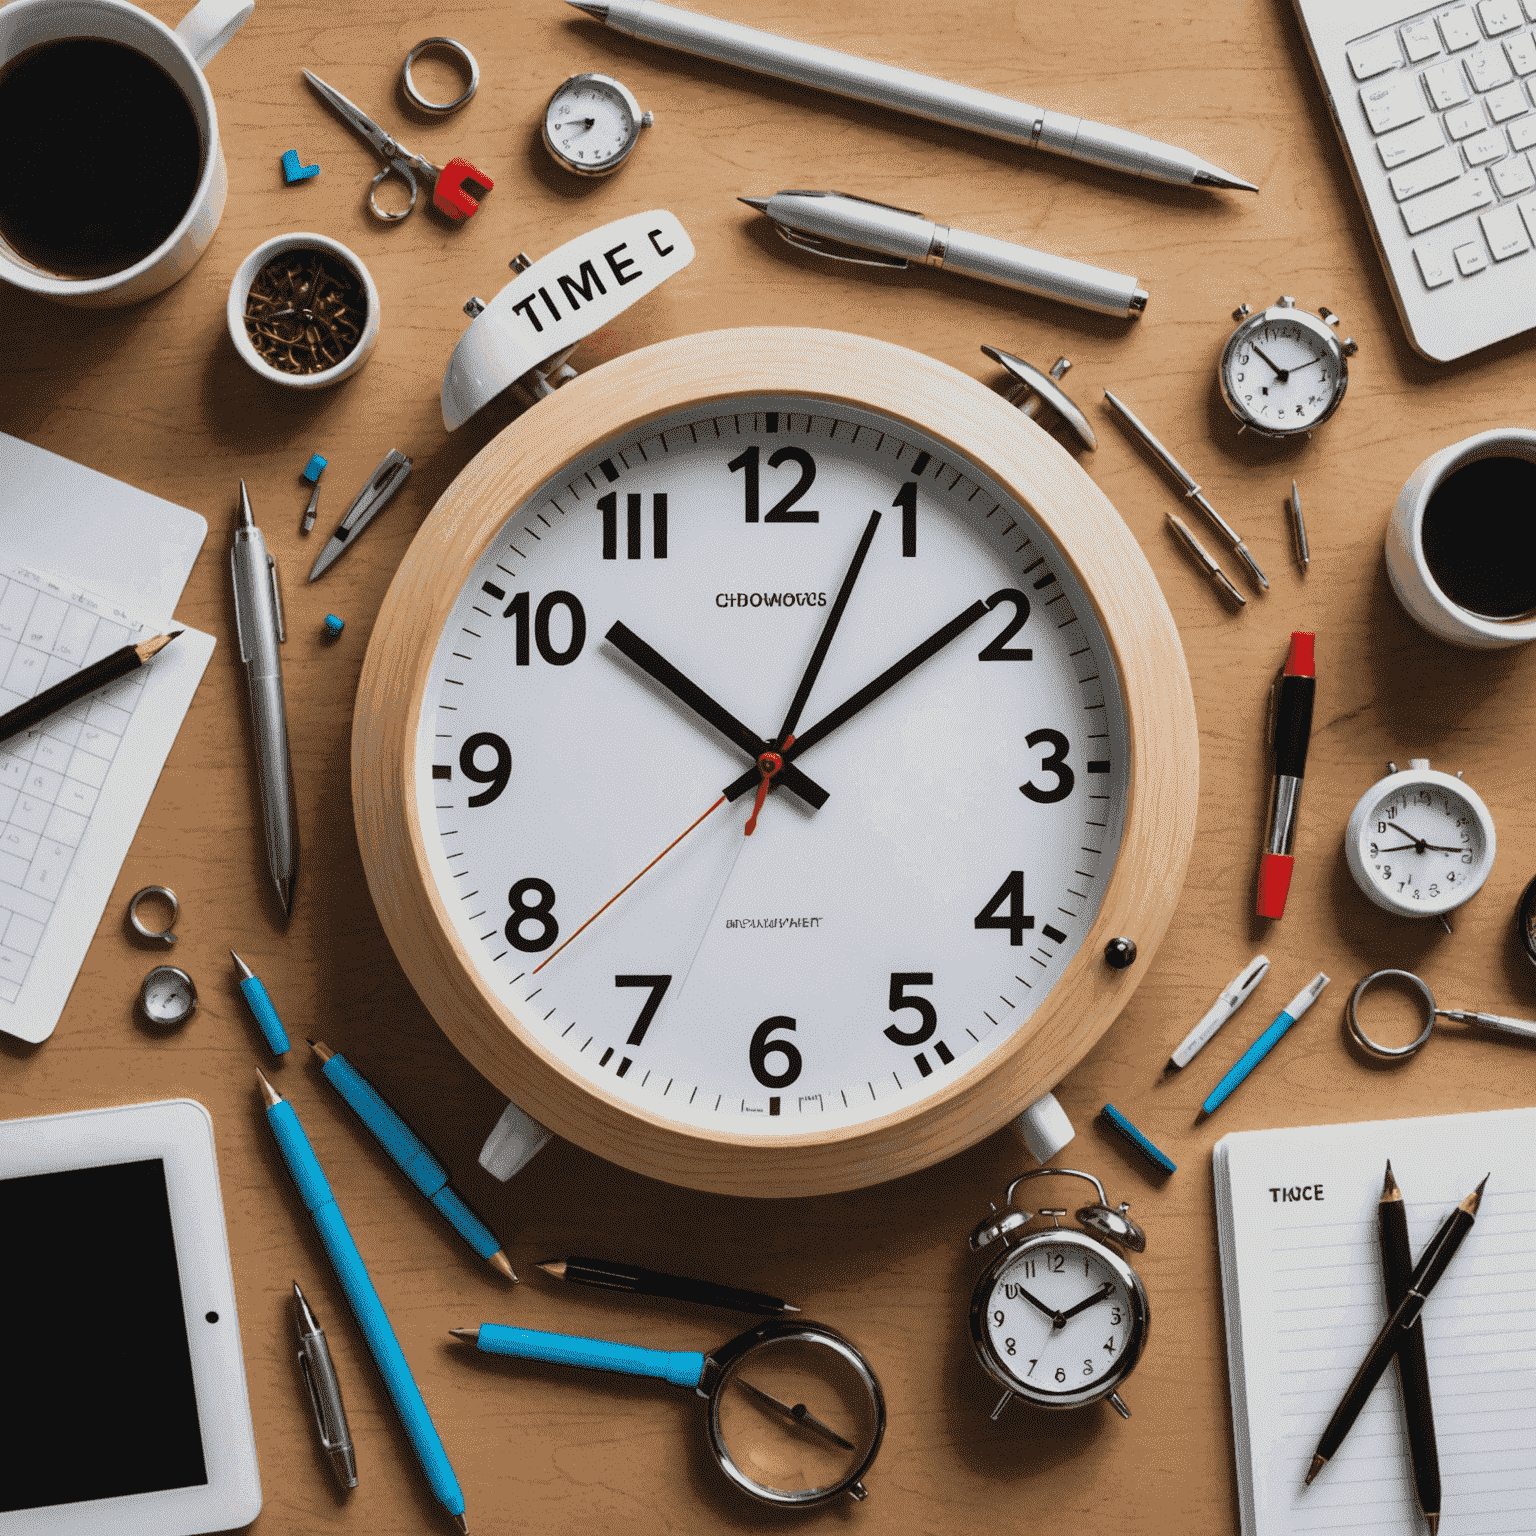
{"x":165,"y":936}
{"x":440,"y":108}
{"x":1391,"y":1052}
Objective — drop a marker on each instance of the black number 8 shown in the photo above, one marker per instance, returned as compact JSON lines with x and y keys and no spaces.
{"x":1011,"y":1345}
{"x":524,"y":910}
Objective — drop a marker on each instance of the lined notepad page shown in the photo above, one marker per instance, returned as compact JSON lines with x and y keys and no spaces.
{"x":1301,"y":1279}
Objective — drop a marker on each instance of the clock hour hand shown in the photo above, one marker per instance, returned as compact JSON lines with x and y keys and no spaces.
{"x":656,"y":666}
{"x":1281,"y":374}
{"x":1103,"y":1293}
{"x":1419,"y":844}
{"x":799,"y":1413}
{"x":1056,"y":1318}
{"x":865,"y":696}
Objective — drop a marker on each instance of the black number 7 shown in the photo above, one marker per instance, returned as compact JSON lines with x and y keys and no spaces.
{"x":658,"y":986}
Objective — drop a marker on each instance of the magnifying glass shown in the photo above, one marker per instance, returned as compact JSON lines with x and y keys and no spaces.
{"x":795,"y":1413}
{"x":1525,"y":1028}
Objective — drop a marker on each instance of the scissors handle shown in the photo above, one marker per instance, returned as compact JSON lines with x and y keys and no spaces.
{"x":1522,"y":1027}
{"x":403,"y":170}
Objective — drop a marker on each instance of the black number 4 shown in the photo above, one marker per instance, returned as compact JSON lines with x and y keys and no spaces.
{"x":1015,"y":920}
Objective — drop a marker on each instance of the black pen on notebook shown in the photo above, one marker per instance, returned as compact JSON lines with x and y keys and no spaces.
{"x":87,"y":680}
{"x":612,"y":1276}
{"x":1291,"y":729}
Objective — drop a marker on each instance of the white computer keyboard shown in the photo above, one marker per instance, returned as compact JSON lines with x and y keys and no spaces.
{"x":1448,"y":96}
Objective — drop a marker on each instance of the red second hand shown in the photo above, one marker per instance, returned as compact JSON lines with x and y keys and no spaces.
{"x":769,"y":764}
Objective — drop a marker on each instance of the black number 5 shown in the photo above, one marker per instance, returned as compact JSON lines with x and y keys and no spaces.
{"x":1055,"y":763}
{"x":900,"y":981}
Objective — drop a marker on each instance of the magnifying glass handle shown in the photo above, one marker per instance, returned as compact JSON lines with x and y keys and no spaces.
{"x":682,"y":1369}
{"x":1522,"y":1027}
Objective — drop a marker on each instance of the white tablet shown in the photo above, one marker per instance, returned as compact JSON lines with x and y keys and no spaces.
{"x":123,"y":1406}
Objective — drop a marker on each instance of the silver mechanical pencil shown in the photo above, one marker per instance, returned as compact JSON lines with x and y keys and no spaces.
{"x":848,"y":228}
{"x":905,"y":90}
{"x":324,"y":1392}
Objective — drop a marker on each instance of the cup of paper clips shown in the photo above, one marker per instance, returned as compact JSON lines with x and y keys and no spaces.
{"x":303,"y":311}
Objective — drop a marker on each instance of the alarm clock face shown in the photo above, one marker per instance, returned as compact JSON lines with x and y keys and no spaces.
{"x":591,"y":124}
{"x":1420,"y":843}
{"x":630,"y":641}
{"x":1060,"y":1320}
{"x":1283,"y":372}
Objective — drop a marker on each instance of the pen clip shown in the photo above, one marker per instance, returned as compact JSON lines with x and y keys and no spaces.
{"x":1273,"y":709}
{"x":277,"y":600}
{"x":330,"y":1436}
{"x":234,"y":566}
{"x":833,"y":249}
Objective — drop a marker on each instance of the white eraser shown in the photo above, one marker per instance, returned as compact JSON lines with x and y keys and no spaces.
{"x":516,"y":1140}
{"x":1044,"y":1127}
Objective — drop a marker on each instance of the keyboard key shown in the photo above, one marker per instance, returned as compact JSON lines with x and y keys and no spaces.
{"x":1470,"y":259}
{"x":1522,"y":53}
{"x":1405,"y":144}
{"x":1499,"y":16}
{"x":1488,"y":67}
{"x":1386,"y":106}
{"x":1420,"y":41}
{"x":1512,"y":177}
{"x":1459,"y":29}
{"x":1504,"y":233}
{"x":1464,"y":196}
{"x":1434,"y":265}
{"x":1375,"y":56}
{"x":1432,"y":171}
{"x":1463,"y":122}
{"x":1522,"y":135}
{"x":1507,"y":102}
{"x":1483,"y":147}
{"x":1446,"y":84}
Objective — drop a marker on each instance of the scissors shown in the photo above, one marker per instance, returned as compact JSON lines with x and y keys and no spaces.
{"x":449,"y":182}
{"x":1522,"y":1027}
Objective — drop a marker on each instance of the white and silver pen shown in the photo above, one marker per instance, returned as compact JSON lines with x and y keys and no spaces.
{"x":324,"y":1392}
{"x":259,"y":630}
{"x":905,"y":90}
{"x":1233,"y":996}
{"x":848,"y":228}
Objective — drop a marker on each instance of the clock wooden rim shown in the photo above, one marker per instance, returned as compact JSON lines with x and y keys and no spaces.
{"x":616,"y":400}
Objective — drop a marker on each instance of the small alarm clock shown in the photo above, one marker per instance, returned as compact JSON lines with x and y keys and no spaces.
{"x":1420,"y":842}
{"x":1060,"y":1318}
{"x":1283,"y":371}
{"x":592,"y":124}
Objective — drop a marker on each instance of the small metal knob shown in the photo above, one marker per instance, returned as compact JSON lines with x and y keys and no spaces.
{"x":474,"y":307}
{"x":1241,"y":312}
{"x":1120,"y":954}
{"x":1285,"y":301}
{"x":1030,"y":390}
{"x":521,"y":262}
{"x":647,"y":119}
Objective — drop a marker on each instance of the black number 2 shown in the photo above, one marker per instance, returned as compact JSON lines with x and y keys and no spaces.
{"x":1000,"y":650}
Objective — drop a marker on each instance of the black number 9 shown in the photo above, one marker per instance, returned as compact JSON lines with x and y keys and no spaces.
{"x":997,"y":1317}
{"x":496,"y":775}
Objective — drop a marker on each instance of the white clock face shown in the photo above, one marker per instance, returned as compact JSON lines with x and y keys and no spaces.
{"x":1060,"y":1317}
{"x":1283,"y":372}
{"x":589,"y":123}
{"x":910,"y":894}
{"x":1423,"y":847}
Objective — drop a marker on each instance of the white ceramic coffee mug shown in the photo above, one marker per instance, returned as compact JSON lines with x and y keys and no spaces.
{"x":181,"y":53}
{"x":1410,"y":574}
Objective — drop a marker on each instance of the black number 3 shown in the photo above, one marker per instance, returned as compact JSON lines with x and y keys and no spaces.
{"x":1055,"y":763}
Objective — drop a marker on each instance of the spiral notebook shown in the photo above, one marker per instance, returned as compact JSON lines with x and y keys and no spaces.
{"x":1301,"y":1283}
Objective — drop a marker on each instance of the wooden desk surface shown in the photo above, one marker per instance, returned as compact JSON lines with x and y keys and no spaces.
{"x":157,"y":396}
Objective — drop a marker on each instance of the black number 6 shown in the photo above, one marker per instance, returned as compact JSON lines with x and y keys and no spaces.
{"x":1055,"y":763}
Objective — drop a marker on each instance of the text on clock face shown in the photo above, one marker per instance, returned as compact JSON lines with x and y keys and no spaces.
{"x":945,"y":797}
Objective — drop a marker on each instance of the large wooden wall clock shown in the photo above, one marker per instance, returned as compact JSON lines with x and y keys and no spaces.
{"x":609,"y":619}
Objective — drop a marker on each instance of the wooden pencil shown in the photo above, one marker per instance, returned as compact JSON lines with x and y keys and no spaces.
{"x":86,"y":681}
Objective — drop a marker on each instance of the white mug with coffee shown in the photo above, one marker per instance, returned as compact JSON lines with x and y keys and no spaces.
{"x":1461,"y":546}
{"x":114,"y":179}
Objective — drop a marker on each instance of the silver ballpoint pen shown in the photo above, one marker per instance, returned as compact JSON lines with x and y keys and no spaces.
{"x":905,"y":90}
{"x":848,"y":228}
{"x":259,"y":628}
{"x":324,"y":1392}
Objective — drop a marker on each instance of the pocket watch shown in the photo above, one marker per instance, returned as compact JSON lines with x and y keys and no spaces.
{"x":1283,"y":372}
{"x":1420,"y":842}
{"x":591,"y":124}
{"x":1060,"y":1318}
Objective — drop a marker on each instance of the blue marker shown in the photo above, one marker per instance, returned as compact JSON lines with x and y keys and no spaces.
{"x":683,"y":1368}
{"x":309,"y":1177}
{"x":1266,"y":1042}
{"x":261,"y":1007}
{"x":410,"y":1154}
{"x":1142,"y":1143}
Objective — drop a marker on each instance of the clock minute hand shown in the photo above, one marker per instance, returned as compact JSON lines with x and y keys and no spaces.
{"x":656,"y":666}
{"x":1102,"y":1294}
{"x":865,"y":696}
{"x":799,"y":1413}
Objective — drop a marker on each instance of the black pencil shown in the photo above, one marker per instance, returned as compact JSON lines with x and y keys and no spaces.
{"x":652,"y":1282}
{"x":1412,"y":1366}
{"x":86,"y":680}
{"x":1426,"y":1275}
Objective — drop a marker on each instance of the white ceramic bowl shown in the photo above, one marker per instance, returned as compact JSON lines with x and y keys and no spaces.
{"x":241,"y":287}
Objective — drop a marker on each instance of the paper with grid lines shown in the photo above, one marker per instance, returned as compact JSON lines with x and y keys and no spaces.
{"x":1301,"y":1280}
{"x":73,"y":788}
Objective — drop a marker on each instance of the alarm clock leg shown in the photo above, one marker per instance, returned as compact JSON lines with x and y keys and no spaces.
{"x":1002,"y":1403}
{"x":1119,"y":1406}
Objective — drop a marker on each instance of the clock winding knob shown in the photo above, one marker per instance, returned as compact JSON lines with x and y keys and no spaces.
{"x":1120,"y":953}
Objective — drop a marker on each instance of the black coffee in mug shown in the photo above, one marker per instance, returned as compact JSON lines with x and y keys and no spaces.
{"x":1479,"y":537}
{"x":100,"y":156}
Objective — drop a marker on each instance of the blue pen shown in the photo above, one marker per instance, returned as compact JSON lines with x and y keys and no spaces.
{"x":1266,"y":1042}
{"x":309,"y":1178}
{"x":261,"y":1007}
{"x":410,"y":1154}
{"x":683,"y":1368}
{"x":1138,"y":1139}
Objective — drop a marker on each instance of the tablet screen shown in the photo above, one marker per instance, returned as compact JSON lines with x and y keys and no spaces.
{"x":99,"y":1399}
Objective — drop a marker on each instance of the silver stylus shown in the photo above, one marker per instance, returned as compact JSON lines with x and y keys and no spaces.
{"x":904,"y":90}
{"x":324,"y":1392}
{"x":259,"y":627}
{"x":850,"y":228}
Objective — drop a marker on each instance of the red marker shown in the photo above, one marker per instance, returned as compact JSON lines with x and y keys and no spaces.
{"x":1290,"y":729}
